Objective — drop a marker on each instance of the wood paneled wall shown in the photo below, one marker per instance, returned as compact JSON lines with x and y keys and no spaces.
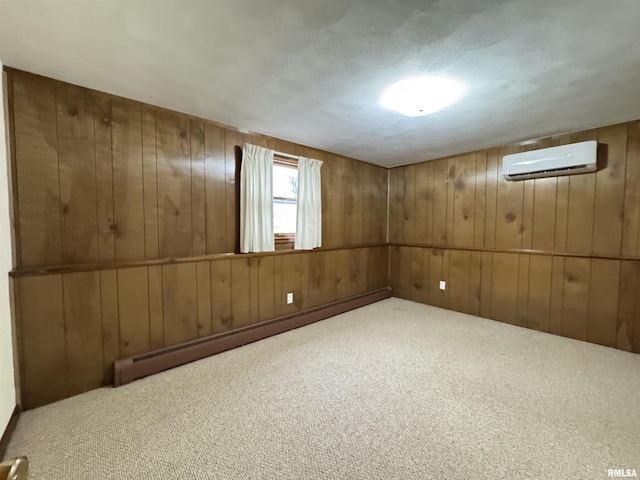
{"x":109,"y":191}
{"x":557,"y":254}
{"x":102,"y":179}
{"x":74,"y":325}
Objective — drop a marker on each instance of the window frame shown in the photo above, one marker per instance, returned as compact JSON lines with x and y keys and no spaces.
{"x":284,"y":241}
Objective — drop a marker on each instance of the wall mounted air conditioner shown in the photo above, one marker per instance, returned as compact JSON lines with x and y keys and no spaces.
{"x":551,"y":162}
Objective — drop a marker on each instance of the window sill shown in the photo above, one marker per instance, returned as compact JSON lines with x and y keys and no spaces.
{"x":285,"y":242}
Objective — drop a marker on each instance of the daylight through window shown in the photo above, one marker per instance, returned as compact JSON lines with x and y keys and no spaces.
{"x":285,"y":194}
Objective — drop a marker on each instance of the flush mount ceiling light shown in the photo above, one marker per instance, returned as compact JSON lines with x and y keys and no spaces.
{"x":418,"y":96}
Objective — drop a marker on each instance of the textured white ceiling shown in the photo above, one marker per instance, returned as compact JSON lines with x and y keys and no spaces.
{"x":312,"y":71}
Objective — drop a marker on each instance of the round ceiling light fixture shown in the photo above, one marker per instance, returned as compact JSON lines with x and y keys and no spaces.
{"x":418,"y":96}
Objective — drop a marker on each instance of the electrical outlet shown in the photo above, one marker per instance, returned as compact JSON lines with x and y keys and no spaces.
{"x":443,"y":285}
{"x":289,"y":298}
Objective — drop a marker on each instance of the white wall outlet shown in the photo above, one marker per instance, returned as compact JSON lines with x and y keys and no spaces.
{"x":289,"y":298}
{"x":443,"y":285}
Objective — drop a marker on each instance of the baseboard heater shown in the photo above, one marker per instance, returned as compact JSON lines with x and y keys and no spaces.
{"x":129,"y":369}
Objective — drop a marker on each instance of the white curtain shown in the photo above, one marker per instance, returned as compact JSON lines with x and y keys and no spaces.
{"x":256,"y":200}
{"x":309,"y":220}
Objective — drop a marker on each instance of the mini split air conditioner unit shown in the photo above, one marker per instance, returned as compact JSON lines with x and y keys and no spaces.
{"x":551,"y":162}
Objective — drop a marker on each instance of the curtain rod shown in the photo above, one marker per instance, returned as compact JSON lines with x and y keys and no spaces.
{"x":286,"y":155}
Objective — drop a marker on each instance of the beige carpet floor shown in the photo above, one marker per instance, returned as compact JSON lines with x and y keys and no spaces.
{"x":394,"y":390}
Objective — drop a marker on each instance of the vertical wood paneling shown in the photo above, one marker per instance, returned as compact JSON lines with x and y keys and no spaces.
{"x":526,"y":230}
{"x":179,"y":298}
{"x":355,"y":227}
{"x":174,"y":185}
{"x":416,"y":277}
{"x":341,"y":269}
{"x":203,"y":292}
{"x":580,"y":213}
{"x":400,"y":194}
{"x":83,"y":331}
{"x":156,"y":307}
{"x":539,"y":305}
{"x":439,"y":213}
{"x":291,"y":282}
{"x":522,"y":315}
{"x":491,"y":199}
{"x":480,"y":202}
{"x":44,"y":369}
{"x":475,"y":283}
{"x":628,"y":322}
{"x":77,"y":164}
{"x":382,"y":195}
{"x":504,"y":287}
{"x":557,"y":295}
{"x":603,"y":302}
{"x":216,"y":216}
{"x":336,"y":207}
{"x":254,"y":296}
{"x":421,"y":203}
{"x":104,"y":178}
{"x":451,"y":177}
{"x":631,"y":219}
{"x":357,"y":271}
{"x":110,"y":323}
{"x":544,"y":207}
{"x":575,"y":304}
{"x":609,"y":192}
{"x":150,"y":184}
{"x":38,"y":187}
{"x":459,"y":271}
{"x":277,"y":286}
{"x":510,"y":198}
{"x":198,"y":189}
{"x":128,"y":185}
{"x":133,"y":310}
{"x":485,"y":284}
{"x":464,"y":186}
{"x":265,"y":289}
{"x":430,"y":202}
{"x":369,"y":215}
{"x":393,"y":204}
{"x":436,"y":259}
{"x":409,"y":203}
{"x":240,"y":292}
{"x":221,"y":314}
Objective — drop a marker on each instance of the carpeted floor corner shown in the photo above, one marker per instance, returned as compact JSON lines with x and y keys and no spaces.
{"x":394,"y":390}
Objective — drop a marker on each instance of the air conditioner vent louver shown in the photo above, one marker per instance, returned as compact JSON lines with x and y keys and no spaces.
{"x":550,"y":162}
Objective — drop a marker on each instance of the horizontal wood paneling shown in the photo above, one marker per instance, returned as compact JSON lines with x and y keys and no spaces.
{"x":74,"y":325}
{"x":105,"y":179}
{"x":595,"y":300}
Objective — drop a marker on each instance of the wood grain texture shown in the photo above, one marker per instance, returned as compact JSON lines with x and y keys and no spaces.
{"x":464,"y":186}
{"x":180,"y":303}
{"x":84,"y":321}
{"x":128,"y":186}
{"x":83,"y":331}
{"x":77,"y":163}
{"x":631,"y":219}
{"x":105,"y":179}
{"x":42,"y":327}
{"x":38,"y":206}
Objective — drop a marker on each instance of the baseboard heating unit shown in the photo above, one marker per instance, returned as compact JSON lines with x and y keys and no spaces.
{"x":129,"y":369}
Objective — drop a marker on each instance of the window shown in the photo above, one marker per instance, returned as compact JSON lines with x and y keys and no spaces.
{"x":285,"y":194}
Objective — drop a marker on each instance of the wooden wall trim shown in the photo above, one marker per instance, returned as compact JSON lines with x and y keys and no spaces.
{"x":548,"y":253}
{"x":11,"y":426}
{"x":129,"y":369}
{"x":90,"y":267}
